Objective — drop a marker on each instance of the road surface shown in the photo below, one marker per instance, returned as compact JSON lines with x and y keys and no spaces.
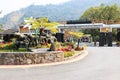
{"x":100,"y":64}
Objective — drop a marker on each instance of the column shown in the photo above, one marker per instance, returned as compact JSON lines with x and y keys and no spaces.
{"x":109,"y":38}
{"x":118,"y":34}
{"x":102,"y":39}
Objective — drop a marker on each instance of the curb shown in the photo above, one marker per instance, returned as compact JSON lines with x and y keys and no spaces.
{"x":72,"y":59}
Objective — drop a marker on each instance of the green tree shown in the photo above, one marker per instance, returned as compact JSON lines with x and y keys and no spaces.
{"x":1,"y":27}
{"x":102,"y":12}
{"x":94,"y":33}
{"x":106,"y":13}
{"x":78,"y":35}
{"x":41,"y":23}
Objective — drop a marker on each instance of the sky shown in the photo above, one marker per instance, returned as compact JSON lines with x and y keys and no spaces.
{"x":7,"y":6}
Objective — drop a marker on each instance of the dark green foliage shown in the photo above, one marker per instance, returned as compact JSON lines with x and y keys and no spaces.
{"x":94,"y":33}
{"x":1,"y":28}
{"x":102,"y":12}
{"x":7,"y":46}
{"x":118,"y":43}
{"x":11,"y":46}
{"x":67,"y":11}
{"x":114,"y":34}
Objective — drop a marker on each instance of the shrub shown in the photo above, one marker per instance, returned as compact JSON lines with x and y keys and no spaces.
{"x":68,"y":48}
{"x":69,"y":54}
{"x":118,"y":43}
{"x":58,"y":45}
{"x":7,"y":45}
{"x":10,"y":46}
{"x":68,"y":44}
{"x":79,"y":48}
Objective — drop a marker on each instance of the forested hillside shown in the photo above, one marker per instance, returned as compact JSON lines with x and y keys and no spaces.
{"x":71,"y":10}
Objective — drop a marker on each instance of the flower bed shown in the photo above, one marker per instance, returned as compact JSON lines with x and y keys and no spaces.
{"x":9,"y":47}
{"x":68,"y":49}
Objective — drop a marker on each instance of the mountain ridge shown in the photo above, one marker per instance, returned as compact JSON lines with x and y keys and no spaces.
{"x":71,"y":10}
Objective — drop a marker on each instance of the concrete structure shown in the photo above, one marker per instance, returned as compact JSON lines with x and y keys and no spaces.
{"x":105,"y":30}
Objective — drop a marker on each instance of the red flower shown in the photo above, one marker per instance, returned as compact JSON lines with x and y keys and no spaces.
{"x":8,"y":42}
{"x":58,"y":49}
{"x":3,"y":43}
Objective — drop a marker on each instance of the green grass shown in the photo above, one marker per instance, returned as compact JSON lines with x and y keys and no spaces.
{"x":19,"y":50}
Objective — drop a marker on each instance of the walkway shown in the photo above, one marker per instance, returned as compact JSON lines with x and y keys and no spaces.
{"x":101,"y":64}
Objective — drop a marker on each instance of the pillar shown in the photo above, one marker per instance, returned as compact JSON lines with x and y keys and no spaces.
{"x":109,"y":38}
{"x":60,"y":37}
{"x":102,"y":39}
{"x":118,"y":34}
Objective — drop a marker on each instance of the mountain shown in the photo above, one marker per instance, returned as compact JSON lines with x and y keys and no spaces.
{"x":71,"y":10}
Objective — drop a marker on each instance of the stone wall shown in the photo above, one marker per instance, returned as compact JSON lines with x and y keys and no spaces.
{"x":26,"y":58}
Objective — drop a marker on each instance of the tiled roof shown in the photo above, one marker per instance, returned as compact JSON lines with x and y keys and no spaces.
{"x":9,"y":31}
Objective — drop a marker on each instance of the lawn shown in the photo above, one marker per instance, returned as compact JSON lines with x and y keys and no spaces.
{"x":10,"y":50}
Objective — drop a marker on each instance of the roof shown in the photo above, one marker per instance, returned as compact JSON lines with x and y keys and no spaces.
{"x":78,"y":22}
{"x":10,"y":31}
{"x":78,"y":26}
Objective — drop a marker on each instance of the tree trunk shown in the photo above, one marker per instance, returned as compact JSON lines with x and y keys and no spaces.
{"x":41,"y":31}
{"x":78,"y":42}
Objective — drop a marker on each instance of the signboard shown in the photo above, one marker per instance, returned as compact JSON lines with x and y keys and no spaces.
{"x":24,"y":30}
{"x":106,"y":29}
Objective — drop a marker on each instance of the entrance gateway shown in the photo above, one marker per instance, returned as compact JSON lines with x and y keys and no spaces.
{"x":105,"y":30}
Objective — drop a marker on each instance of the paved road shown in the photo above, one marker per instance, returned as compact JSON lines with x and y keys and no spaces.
{"x":97,"y":44}
{"x":100,"y":64}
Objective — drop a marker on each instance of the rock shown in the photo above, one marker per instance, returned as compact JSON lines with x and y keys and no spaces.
{"x":42,"y":60}
{"x":29,"y":58}
{"x":29,"y":61}
{"x":58,"y":55}
{"x":1,"y":61}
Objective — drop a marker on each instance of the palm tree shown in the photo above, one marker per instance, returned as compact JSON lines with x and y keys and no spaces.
{"x":41,"y":23}
{"x":78,"y":35}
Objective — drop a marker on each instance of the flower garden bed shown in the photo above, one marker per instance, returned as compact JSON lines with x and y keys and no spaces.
{"x":9,"y":47}
{"x":9,"y":56}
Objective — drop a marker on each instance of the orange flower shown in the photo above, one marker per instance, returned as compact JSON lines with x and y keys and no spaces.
{"x":2,"y":44}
